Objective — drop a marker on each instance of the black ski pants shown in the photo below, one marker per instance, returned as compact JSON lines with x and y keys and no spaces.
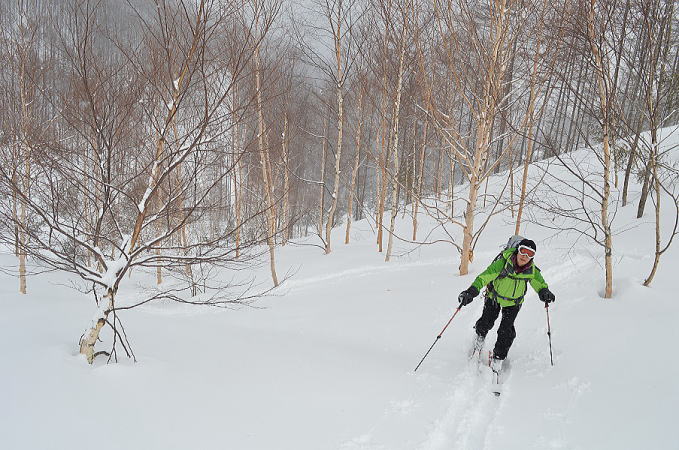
{"x":506,"y":333}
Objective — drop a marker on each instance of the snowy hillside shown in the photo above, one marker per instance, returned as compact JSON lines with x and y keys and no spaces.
{"x":327,"y":361}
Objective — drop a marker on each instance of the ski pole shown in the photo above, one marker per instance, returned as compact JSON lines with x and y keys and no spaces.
{"x":438,"y":337}
{"x":549,"y":334}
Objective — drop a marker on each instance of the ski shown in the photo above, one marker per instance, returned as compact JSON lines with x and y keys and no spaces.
{"x":496,"y":385}
{"x":497,"y":376}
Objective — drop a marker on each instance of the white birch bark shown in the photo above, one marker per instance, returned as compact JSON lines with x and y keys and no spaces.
{"x":604,"y":106}
{"x":285,"y":215}
{"x":394,"y":148}
{"x":485,"y":119}
{"x":354,"y":171}
{"x":339,"y":78}
{"x":420,"y":180}
{"x":321,"y":211}
{"x":266,"y":174}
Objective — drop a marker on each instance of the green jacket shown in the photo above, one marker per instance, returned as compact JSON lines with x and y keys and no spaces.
{"x":511,"y":288}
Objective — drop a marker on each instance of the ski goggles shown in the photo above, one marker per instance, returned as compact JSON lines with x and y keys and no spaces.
{"x":526,"y":251}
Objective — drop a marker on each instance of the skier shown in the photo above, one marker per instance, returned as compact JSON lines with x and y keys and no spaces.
{"x":507,"y":279}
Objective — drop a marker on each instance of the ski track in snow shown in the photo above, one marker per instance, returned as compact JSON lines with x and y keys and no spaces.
{"x":467,"y":416}
{"x":470,"y":415}
{"x":469,"y":408}
{"x":362,"y":271}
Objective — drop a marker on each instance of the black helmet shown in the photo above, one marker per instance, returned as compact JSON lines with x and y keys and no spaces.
{"x":528,"y":243}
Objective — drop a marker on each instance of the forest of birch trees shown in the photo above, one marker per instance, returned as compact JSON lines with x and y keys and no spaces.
{"x":186,"y":137}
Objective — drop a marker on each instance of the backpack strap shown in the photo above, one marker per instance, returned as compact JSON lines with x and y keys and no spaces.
{"x":504,"y":272}
{"x":491,"y":290}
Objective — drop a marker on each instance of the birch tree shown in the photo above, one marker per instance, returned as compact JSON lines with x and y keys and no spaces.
{"x":151,"y":125}
{"x":656,"y":34}
{"x":333,"y":22}
{"x":542,"y":46}
{"x":22,"y":41}
{"x":267,"y":176}
{"x":358,"y":134}
{"x":597,"y":35}
{"x":398,"y":23}
{"x":476,"y":40}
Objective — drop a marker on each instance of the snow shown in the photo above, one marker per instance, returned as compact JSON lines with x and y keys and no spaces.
{"x":327,"y":363}
{"x":109,"y":277}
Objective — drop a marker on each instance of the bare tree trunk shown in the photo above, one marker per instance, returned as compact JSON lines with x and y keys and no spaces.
{"x":480,"y":155}
{"x":90,"y":337}
{"x":22,"y":233}
{"x":511,"y":185}
{"x":656,"y":186}
{"x":605,"y":107}
{"x":524,"y":181}
{"x":321,"y":211}
{"x":485,"y":167}
{"x":183,"y":235}
{"x":658,"y":28}
{"x":409,"y":172}
{"x":507,"y":82}
{"x":486,"y":117}
{"x":619,"y":51}
{"x":377,"y":182}
{"x":169,"y":118}
{"x":340,"y":129}
{"x":394,"y":148}
{"x":558,"y":106}
{"x":384,"y":156}
{"x":631,"y":161}
{"x":354,"y":171}
{"x":420,"y":180}
{"x":237,"y":180}
{"x":15,"y":210}
{"x":24,"y":175}
{"x":451,"y":183}
{"x":528,"y":125}
{"x":437,"y":175}
{"x":644,"y":192}
{"x":160,"y":231}
{"x":412,"y":190}
{"x":266,"y":174}
{"x":286,"y":183}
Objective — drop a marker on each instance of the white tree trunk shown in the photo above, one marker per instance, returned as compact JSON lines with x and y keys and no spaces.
{"x":266,"y":174}
{"x":604,"y":106}
{"x":394,"y":149}
{"x":340,"y":129}
{"x":486,"y":117}
{"x":286,"y":184}
{"x":90,"y":337}
{"x":354,"y":171}
{"x":420,"y":180}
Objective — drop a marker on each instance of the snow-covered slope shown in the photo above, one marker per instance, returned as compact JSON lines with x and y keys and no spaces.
{"x":327,"y":363}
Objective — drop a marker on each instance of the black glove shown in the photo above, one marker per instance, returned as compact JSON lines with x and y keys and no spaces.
{"x":467,"y":296}
{"x":546,"y":295}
